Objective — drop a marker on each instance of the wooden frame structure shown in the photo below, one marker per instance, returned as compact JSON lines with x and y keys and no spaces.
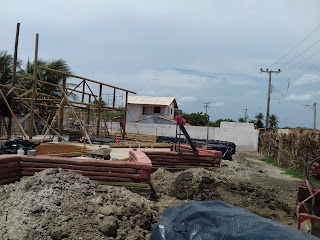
{"x":33,"y":99}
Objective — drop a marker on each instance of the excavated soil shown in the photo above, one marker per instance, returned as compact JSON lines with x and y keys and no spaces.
{"x":252,"y":185}
{"x":55,"y":204}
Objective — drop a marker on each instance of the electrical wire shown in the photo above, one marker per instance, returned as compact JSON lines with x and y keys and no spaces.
{"x":301,"y":61}
{"x":295,"y":46}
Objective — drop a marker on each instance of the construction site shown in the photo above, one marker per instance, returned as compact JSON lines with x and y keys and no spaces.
{"x":70,"y":169}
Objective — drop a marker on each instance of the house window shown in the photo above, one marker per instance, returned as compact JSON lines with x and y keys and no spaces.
{"x":143,"y":110}
{"x":157,"y":109}
{"x":171,"y":111}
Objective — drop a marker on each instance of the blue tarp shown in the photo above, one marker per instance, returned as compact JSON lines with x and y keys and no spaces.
{"x":218,"y":220}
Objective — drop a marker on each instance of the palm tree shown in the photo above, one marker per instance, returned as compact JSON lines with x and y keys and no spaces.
{"x":6,"y":67}
{"x":273,"y":120}
{"x":259,"y":118}
{"x":241,"y":119}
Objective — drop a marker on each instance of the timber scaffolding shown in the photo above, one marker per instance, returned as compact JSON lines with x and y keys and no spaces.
{"x":49,"y":107}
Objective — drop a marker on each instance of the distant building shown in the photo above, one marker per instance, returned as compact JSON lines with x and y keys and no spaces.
{"x":140,"y":107}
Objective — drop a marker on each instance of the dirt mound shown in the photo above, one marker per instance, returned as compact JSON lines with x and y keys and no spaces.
{"x":240,"y":183}
{"x":55,"y":204}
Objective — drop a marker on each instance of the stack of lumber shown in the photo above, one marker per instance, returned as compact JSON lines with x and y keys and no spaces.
{"x":139,"y":145}
{"x":101,"y":170}
{"x":209,"y":158}
{"x":141,"y":137}
{"x":9,"y":168}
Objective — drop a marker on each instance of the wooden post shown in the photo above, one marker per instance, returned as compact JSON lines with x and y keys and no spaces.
{"x":99,"y":111}
{"x":83,"y":90}
{"x":88,"y":112}
{"x":14,"y":71}
{"x":125,"y":117}
{"x":64,"y":79}
{"x":34,"y":87}
{"x":114,"y":97}
{"x":12,"y":114}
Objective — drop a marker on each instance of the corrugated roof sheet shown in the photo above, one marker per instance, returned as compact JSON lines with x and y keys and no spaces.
{"x":163,"y":101}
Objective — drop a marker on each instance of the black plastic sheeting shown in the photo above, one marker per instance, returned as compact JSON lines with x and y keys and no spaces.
{"x":12,"y":145}
{"x":218,"y":220}
{"x":103,"y":140}
{"x":227,"y":148}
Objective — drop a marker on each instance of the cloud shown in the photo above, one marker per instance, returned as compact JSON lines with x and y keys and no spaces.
{"x":302,"y":97}
{"x":218,"y":104}
{"x":307,"y":80}
{"x":184,"y":100}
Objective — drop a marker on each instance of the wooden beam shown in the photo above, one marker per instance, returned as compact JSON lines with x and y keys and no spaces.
{"x":88,"y":113}
{"x":45,"y":122}
{"x":89,"y":80}
{"x":34,"y":87}
{"x":74,"y":113}
{"x":114,"y":98}
{"x":125,"y":117}
{"x":14,"y":72}
{"x":14,"y":117}
{"x":99,"y":111}
{"x":64,"y":79}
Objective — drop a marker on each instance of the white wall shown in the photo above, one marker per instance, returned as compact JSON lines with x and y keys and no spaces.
{"x":242,"y":134}
{"x":135,"y":111}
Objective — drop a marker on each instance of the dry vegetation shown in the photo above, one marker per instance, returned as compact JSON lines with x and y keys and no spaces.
{"x":293,"y":150}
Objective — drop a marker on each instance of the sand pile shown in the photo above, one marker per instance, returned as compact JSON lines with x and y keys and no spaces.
{"x":55,"y":204}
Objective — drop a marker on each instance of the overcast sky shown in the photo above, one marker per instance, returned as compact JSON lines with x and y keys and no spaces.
{"x":196,"y":51}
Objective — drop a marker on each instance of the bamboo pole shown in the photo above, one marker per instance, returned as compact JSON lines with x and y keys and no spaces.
{"x":14,"y":71}
{"x":34,"y":86}
{"x":125,"y":117}
{"x":45,"y":122}
{"x":82,"y":127}
{"x":14,"y":117}
{"x":61,"y":109}
{"x":99,"y":111}
{"x":89,"y":80}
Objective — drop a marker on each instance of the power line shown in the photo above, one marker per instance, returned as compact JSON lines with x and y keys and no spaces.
{"x":289,"y":98}
{"x":296,"y":46}
{"x":302,"y":60}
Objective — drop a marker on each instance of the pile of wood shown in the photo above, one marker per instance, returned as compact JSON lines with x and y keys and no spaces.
{"x":185,"y":159}
{"x":142,"y":137}
{"x":9,"y":169}
{"x":293,"y":150}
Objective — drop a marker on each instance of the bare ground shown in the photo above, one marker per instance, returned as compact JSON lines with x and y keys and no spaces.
{"x":245,"y":182}
{"x":58,"y":205}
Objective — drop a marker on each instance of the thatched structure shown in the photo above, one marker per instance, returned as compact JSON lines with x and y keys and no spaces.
{"x":293,"y":150}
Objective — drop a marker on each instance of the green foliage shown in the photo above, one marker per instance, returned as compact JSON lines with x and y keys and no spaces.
{"x":241,"y":119}
{"x":6,"y":67}
{"x":218,"y":122}
{"x":273,"y":121}
{"x":259,"y":118}
{"x":201,"y":119}
{"x":196,"y":119}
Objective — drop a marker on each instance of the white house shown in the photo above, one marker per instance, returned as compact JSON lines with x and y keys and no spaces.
{"x":140,"y":107}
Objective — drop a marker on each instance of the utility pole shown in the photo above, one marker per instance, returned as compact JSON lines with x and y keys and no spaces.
{"x":206,"y":105}
{"x":314,"y":116}
{"x":245,"y":114}
{"x":269,"y":90}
